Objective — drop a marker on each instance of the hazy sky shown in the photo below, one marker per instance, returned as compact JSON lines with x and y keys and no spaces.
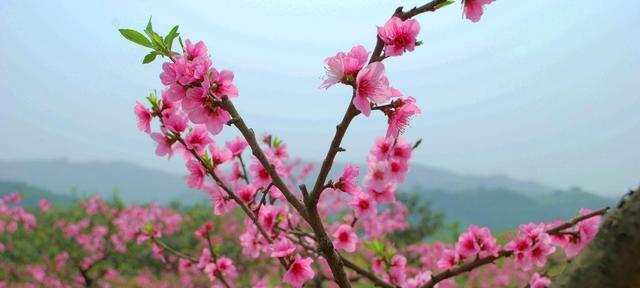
{"x":543,"y":90}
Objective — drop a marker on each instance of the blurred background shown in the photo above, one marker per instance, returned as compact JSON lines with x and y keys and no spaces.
{"x":530,"y":113}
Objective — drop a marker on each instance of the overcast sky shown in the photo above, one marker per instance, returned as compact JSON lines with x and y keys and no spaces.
{"x":542,"y":90}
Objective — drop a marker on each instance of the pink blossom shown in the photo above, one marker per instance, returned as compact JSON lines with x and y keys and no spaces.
{"x":189,"y":71}
{"x":467,"y":245}
{"x":282,"y":247}
{"x":519,"y":246}
{"x":419,"y":280}
{"x":399,"y":117}
{"x":144,"y":117}
{"x":397,"y":269}
{"x":280,"y":151}
{"x":221,"y":84}
{"x":575,"y":240}
{"x":472,"y":9}
{"x":378,"y":175}
{"x":44,"y":205}
{"x":210,"y":269}
{"x":362,"y":205}
{"x":226,"y":267}
{"x":168,"y":75}
{"x":237,"y":145}
{"x":382,"y":147}
{"x":219,"y":200}
{"x":164,"y":144}
{"x":538,"y":281}
{"x":219,"y":155}
{"x":345,"y":239}
{"x":271,"y":215}
{"x":184,"y":265}
{"x":398,"y":169}
{"x":342,"y":67}
{"x":250,"y":242}
{"x":448,"y":259}
{"x":205,"y":258}
{"x":299,"y":272}
{"x":204,"y":230}
{"x":371,"y":86}
{"x":348,"y":182}
{"x":402,"y":150}
{"x":261,"y":176}
{"x":399,"y":36}
{"x":198,"y":139}
{"x":195,"y":50}
{"x":175,"y":121}
{"x":539,"y":252}
{"x":201,"y":111}
{"x":246,"y":192}
{"x":477,"y":241}
{"x":197,"y":174}
{"x":386,"y":194}
{"x":61,"y":260}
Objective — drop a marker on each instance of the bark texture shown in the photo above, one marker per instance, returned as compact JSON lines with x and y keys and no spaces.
{"x":613,"y":258}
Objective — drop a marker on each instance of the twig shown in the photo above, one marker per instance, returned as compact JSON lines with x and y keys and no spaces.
{"x":466,"y":267}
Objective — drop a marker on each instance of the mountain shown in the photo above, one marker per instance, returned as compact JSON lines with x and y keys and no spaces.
{"x":430,"y":178}
{"x":133,"y":183}
{"x":504,"y":209}
{"x":138,"y":184}
{"x":31,"y":196}
{"x":499,"y":202}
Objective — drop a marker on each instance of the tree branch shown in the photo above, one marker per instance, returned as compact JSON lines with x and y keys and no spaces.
{"x":466,"y":267}
{"x":250,"y":136}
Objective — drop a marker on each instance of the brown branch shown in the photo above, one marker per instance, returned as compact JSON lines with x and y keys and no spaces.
{"x":210,"y":170}
{"x":172,"y":250}
{"x":334,"y":148}
{"x":244,"y":169}
{"x":431,"y":6}
{"x":367,"y":274}
{"x":466,"y":267}
{"x":166,"y":247}
{"x":250,"y":136}
{"x":577,"y":220}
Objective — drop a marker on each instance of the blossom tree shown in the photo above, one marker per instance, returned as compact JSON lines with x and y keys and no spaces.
{"x":334,"y":230}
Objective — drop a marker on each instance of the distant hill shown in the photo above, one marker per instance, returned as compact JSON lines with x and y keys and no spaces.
{"x":503,"y":209}
{"x":133,"y":183}
{"x":430,"y":178}
{"x":139,"y":184}
{"x":499,"y":202}
{"x":31,"y":196}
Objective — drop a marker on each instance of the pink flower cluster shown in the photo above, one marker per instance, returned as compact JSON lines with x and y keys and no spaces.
{"x":473,"y":9}
{"x":11,"y":215}
{"x":475,"y":242}
{"x":271,"y":192}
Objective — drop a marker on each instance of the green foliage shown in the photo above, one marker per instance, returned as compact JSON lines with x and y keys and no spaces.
{"x":161,"y":46}
{"x":424,"y":222}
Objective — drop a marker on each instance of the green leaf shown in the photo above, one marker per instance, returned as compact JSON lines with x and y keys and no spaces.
{"x":153,"y":100}
{"x":181,"y":44}
{"x":136,"y":37}
{"x":157,"y":40}
{"x":149,"y":28}
{"x":149,"y":58}
{"x":444,"y":4}
{"x":168,"y":40}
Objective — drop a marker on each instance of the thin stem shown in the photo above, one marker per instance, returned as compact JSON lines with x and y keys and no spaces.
{"x":250,"y":136}
{"x":172,"y":250}
{"x":480,"y":261}
{"x":210,"y":170}
{"x":244,"y":169}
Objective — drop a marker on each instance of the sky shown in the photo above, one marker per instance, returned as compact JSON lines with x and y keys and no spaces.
{"x":538,"y":90}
